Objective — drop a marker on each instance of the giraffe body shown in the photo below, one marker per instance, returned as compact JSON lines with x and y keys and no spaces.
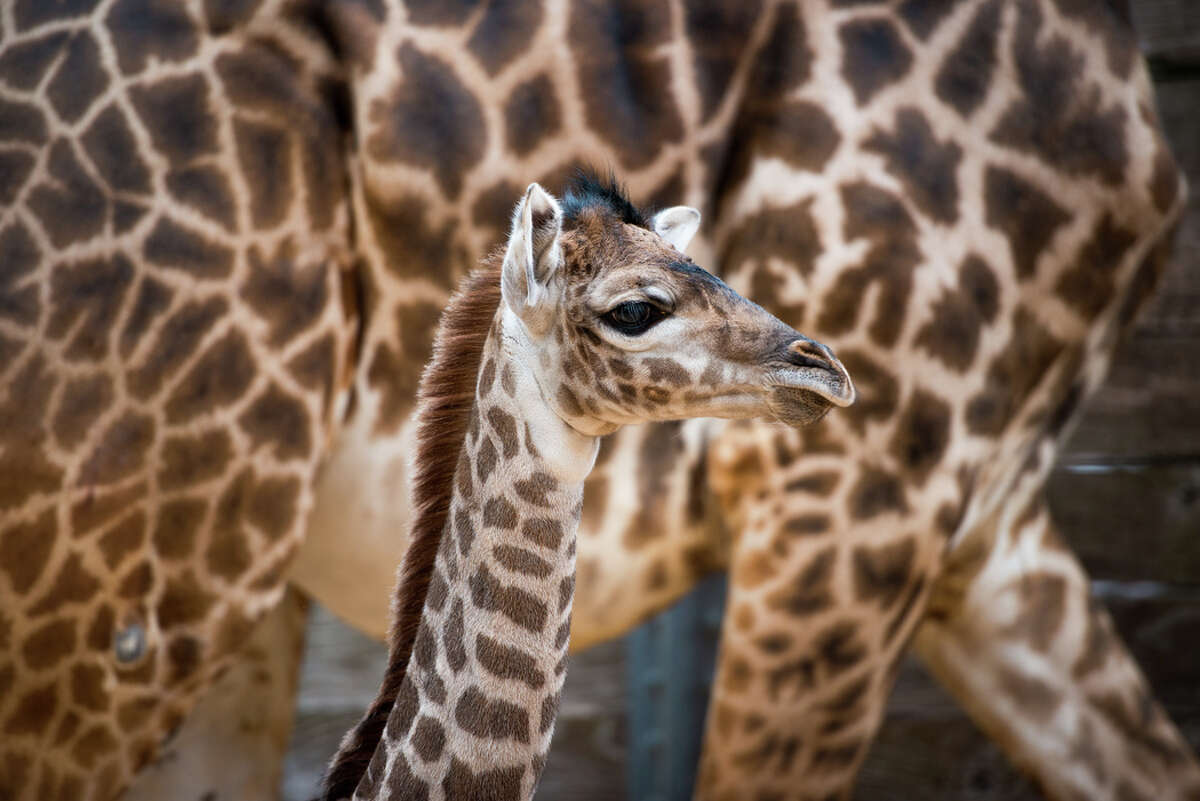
{"x":931,"y":191}
{"x":968,"y":200}
{"x":174,"y":346}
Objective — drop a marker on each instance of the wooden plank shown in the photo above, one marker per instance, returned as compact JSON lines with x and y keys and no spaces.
{"x":1168,"y":29}
{"x":587,"y":756}
{"x":342,"y":667}
{"x":1147,"y":409}
{"x":341,"y":672}
{"x":1135,"y":524}
{"x":929,"y":751}
{"x":315,"y":739}
{"x":1160,"y":632}
{"x":938,"y":759}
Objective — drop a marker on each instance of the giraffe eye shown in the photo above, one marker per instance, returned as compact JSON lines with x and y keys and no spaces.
{"x":633,"y":317}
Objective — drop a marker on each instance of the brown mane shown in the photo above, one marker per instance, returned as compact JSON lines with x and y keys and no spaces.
{"x":444,"y":401}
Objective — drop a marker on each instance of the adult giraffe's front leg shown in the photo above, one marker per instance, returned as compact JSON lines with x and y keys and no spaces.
{"x":829,"y":573}
{"x":233,"y":743}
{"x":1014,"y":633}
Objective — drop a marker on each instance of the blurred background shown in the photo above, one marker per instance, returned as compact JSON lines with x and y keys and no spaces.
{"x":1126,"y":492}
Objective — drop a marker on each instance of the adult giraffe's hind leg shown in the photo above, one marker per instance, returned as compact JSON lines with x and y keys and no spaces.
{"x":1015,"y":635}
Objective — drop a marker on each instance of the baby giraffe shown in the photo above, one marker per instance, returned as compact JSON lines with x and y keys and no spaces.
{"x":591,"y":318}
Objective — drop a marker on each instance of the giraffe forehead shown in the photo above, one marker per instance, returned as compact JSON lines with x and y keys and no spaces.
{"x":624,"y":258}
{"x":599,"y":241}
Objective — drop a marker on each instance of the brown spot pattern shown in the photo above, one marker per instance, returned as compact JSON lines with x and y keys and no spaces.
{"x":921,"y":434}
{"x":1026,"y":215}
{"x":173,"y":245}
{"x":925,"y":166}
{"x":878,"y":216}
{"x":176,"y":113}
{"x":85,"y":297}
{"x":219,"y":377}
{"x":489,"y":718}
{"x":501,"y":784}
{"x":811,"y":590}
{"x":49,"y":644}
{"x":121,"y":451}
{"x":1012,"y":375}
{"x":873,"y":56}
{"x":504,"y":32}
{"x":523,"y":609}
{"x":717,"y":34}
{"x":508,"y":662}
{"x":111,"y":148}
{"x":957,"y":317}
{"x":428,"y":738}
{"x":966,"y":74}
{"x":1059,"y":120}
{"x":79,"y":79}
{"x":143,"y":29}
{"x":430,"y":119}
{"x":1089,"y":283}
{"x":882,"y":573}
{"x":637,"y":115}
{"x":876,"y":492}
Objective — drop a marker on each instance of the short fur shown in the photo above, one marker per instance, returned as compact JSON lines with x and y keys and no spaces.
{"x":445,"y":398}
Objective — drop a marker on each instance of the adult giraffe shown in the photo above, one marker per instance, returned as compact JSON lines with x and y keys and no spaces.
{"x":174,"y":347}
{"x":972,"y":198}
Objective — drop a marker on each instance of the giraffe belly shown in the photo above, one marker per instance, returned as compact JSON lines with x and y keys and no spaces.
{"x":644,"y":540}
{"x":359,"y":528}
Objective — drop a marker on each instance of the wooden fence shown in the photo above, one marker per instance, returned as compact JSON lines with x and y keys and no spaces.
{"x":1126,"y":493}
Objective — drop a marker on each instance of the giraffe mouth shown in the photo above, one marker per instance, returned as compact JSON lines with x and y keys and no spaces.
{"x":832,"y":386}
{"x":797,"y":407}
{"x":813,"y":382}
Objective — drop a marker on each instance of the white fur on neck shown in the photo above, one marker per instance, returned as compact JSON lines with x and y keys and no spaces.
{"x":568,"y":453}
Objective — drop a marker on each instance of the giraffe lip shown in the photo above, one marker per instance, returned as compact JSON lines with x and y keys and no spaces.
{"x":811,"y":369}
{"x":830,"y":383}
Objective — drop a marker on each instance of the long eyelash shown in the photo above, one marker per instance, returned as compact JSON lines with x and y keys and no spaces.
{"x":656,"y":316}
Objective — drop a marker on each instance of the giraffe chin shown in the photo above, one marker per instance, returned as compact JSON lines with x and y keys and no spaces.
{"x":797,"y":407}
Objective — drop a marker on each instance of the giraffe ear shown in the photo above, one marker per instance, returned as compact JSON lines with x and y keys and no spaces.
{"x":533,"y":256}
{"x":677,"y":225}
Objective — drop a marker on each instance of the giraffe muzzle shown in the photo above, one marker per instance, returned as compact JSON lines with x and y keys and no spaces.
{"x":812,"y":382}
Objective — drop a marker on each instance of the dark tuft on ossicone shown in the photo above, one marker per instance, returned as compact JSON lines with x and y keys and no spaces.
{"x":587,"y":189}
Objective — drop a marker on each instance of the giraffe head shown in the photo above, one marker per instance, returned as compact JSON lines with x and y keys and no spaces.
{"x":621,"y":327}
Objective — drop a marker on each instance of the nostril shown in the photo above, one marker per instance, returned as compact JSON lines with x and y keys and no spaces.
{"x":832,"y":382}
{"x":807,"y":346}
{"x":806,"y":353}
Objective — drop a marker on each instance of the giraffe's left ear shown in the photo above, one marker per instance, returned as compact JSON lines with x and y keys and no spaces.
{"x":533,"y":256}
{"x":677,"y":225}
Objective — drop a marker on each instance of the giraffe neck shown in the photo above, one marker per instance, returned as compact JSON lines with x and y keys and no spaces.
{"x":476,"y":709}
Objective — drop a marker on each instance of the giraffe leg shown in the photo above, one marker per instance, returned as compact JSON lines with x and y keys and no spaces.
{"x":826,"y":586}
{"x":1013,"y":632}
{"x":233,"y":743}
